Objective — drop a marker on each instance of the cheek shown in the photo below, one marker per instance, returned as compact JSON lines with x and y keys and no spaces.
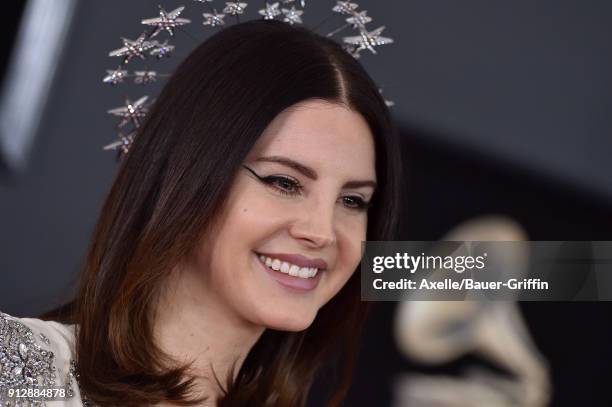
{"x":246,"y":223}
{"x":246,"y":215}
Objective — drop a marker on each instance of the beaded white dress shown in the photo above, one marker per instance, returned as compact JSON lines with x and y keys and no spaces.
{"x":37,"y":361}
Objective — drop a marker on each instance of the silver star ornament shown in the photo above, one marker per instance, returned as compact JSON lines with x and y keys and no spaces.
{"x":161,"y":50}
{"x":132,"y":49}
{"x":368,"y":40}
{"x":359,"y":19}
{"x":234,"y":8}
{"x":124,"y":143}
{"x":131,"y":112}
{"x":270,"y":12}
{"x":114,"y":77}
{"x":144,"y":77}
{"x":166,"y":21}
{"x":214,"y":19}
{"x":345,"y":7}
{"x":292,"y":15}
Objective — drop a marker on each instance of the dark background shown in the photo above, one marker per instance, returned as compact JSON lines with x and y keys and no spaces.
{"x":503,"y":107}
{"x":448,"y":185}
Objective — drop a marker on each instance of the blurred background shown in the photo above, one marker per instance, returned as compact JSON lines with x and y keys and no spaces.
{"x":505,"y":115}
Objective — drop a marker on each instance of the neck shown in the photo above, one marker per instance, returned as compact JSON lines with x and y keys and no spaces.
{"x":191,"y":325}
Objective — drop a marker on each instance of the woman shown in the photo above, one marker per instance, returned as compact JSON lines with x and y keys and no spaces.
{"x":222,"y":269}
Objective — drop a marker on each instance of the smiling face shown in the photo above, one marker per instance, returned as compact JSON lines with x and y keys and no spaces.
{"x":300,"y":192}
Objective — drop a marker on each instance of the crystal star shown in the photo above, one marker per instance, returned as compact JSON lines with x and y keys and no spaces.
{"x":166,"y":21}
{"x":359,"y":19}
{"x":345,"y":7}
{"x":292,"y":16}
{"x":124,"y":143}
{"x":132,"y":49}
{"x":270,"y":11}
{"x":131,"y":112}
{"x":115,"y":76}
{"x":234,"y":8}
{"x":368,"y":40}
{"x":161,"y":50}
{"x":144,"y":77}
{"x":214,"y":19}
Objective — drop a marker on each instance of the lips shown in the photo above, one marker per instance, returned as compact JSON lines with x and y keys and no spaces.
{"x":294,"y":283}
{"x":298,"y":260}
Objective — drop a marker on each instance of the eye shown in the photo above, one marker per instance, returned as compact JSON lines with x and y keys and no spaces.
{"x":356,"y":203}
{"x":282,"y":184}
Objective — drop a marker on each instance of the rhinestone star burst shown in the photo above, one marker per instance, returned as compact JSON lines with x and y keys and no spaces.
{"x":166,"y":21}
{"x":270,"y":12}
{"x":131,"y":112}
{"x":368,"y":39}
{"x":234,"y":8}
{"x":213,"y":19}
{"x":132,"y":49}
{"x":292,"y":16}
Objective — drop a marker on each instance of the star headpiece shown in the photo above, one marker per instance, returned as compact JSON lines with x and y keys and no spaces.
{"x":145,"y":47}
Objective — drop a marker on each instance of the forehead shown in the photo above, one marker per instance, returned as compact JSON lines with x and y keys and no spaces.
{"x":320,"y":132}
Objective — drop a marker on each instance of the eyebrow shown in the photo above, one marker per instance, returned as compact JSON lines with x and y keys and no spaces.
{"x":312,"y":174}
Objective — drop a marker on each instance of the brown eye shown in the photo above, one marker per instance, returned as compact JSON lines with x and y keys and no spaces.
{"x":355,"y":202}
{"x":284,"y":185}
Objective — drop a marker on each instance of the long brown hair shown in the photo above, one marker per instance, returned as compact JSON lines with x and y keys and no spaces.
{"x":172,"y":183}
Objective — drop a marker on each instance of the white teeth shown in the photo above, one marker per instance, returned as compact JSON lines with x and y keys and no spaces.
{"x":288,"y":268}
{"x":293,"y":271}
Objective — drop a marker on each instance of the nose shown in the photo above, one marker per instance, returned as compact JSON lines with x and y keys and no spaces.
{"x":314,"y":224}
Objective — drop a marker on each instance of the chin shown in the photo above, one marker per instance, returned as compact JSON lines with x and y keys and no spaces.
{"x":289,"y":322}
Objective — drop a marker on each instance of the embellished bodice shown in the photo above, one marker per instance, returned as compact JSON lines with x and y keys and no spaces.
{"x":37,"y":364}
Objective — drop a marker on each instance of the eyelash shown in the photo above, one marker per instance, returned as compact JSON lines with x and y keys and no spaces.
{"x":271,"y":180}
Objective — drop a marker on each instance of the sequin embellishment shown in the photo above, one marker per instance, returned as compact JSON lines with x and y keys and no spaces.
{"x":23,"y":363}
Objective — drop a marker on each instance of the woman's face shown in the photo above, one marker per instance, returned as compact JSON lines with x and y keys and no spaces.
{"x":299,"y":200}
